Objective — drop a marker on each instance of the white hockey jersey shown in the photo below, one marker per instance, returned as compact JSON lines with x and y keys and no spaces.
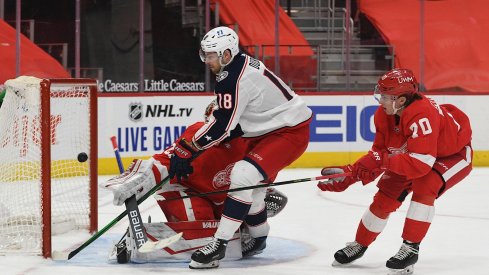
{"x":251,"y":99}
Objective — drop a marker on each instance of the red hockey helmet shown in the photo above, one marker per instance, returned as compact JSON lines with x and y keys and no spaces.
{"x":397,"y":82}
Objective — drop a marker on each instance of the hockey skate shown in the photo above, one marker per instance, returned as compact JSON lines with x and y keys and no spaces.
{"x":123,"y":255}
{"x":349,"y":254}
{"x":403,"y":262}
{"x":209,"y":255}
{"x":253,"y":246}
{"x":120,"y":252}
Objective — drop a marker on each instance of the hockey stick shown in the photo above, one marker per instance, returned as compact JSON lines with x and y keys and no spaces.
{"x":135,"y":221}
{"x":117,"y":155}
{"x":60,"y":255}
{"x":160,"y":198}
{"x":133,"y":214}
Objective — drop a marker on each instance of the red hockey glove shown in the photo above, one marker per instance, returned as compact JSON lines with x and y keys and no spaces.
{"x":337,"y":184}
{"x":370,"y":166}
{"x":183,"y":154}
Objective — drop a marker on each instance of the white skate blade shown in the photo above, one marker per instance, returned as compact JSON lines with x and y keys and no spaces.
{"x":150,"y":246}
{"x":113,"y":253}
{"x":335,"y":263}
{"x":254,"y":253}
{"x":196,"y":265}
{"x":59,"y":256}
{"x":406,"y":271}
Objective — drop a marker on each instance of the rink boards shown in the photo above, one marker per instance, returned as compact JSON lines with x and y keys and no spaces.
{"x":342,"y":126}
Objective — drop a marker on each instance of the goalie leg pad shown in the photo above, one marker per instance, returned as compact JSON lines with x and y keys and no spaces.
{"x":195,"y":235}
{"x":189,"y":209}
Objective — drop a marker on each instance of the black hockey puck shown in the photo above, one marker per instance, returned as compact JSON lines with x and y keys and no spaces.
{"x":82,"y":157}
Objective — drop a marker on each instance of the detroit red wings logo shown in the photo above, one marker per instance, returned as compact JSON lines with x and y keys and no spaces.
{"x":223,"y":177}
{"x":396,"y":151}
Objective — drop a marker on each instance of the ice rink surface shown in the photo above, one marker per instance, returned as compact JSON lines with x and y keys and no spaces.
{"x":304,"y":237}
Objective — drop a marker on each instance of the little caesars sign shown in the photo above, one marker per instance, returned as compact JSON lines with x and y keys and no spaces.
{"x":151,"y":85}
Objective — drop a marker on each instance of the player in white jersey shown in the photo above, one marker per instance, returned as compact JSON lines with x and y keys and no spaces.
{"x":254,"y":101}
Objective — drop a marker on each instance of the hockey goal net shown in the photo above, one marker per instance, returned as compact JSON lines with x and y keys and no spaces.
{"x":45,"y":187}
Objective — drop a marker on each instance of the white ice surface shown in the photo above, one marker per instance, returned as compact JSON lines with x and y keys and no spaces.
{"x":304,"y":237}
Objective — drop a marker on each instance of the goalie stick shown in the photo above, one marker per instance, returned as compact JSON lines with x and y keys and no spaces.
{"x":135,"y":221}
{"x":133,"y":214}
{"x":62,"y":255}
{"x":113,"y":139}
{"x":158,"y":197}
{"x":139,"y":234}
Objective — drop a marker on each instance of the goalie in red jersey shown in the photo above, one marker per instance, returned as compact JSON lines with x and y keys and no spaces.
{"x":213,"y":175}
{"x":421,"y":147}
{"x":196,"y":217}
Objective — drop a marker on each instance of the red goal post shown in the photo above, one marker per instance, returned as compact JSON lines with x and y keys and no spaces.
{"x":45,"y":188}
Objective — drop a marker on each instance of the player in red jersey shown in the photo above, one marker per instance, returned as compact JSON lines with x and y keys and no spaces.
{"x":421,"y":147}
{"x":212,"y":174}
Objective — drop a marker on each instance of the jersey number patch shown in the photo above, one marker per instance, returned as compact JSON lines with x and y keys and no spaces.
{"x":424,"y":125}
{"x":225,"y":101}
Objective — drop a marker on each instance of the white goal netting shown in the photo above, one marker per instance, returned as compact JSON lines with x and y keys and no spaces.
{"x":21,"y":136}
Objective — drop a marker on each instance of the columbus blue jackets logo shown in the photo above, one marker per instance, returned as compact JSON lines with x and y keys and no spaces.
{"x":136,"y":111}
{"x":221,"y":76}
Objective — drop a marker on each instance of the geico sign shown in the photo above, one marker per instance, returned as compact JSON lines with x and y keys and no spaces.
{"x":342,"y":123}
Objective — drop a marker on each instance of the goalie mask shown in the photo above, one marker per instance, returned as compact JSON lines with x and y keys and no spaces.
{"x":219,"y":40}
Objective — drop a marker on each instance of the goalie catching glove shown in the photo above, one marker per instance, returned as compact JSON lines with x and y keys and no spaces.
{"x":366,"y":169}
{"x":138,"y":179}
{"x":275,"y":201}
